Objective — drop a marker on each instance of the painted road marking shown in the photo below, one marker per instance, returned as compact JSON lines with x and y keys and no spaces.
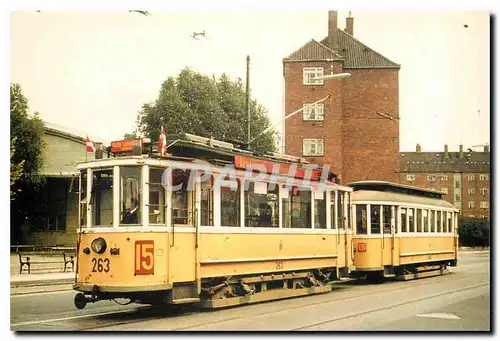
{"x":72,"y":317}
{"x":441,"y":316}
{"x":28,"y":294}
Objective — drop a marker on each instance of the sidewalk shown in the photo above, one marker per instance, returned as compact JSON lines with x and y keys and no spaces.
{"x":41,"y":274}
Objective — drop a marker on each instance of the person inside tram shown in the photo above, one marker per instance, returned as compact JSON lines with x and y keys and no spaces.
{"x":265,"y":216}
{"x":130,"y":214}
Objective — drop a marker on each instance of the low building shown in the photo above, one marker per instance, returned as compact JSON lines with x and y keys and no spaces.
{"x":463,"y":176}
{"x":57,"y":221}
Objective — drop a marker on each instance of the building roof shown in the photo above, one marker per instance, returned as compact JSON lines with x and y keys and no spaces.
{"x":445,"y":162}
{"x":313,"y":51}
{"x":354,"y":53}
{"x":70,"y":133}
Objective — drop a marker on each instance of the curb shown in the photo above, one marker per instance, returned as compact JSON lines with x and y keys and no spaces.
{"x":35,"y":283}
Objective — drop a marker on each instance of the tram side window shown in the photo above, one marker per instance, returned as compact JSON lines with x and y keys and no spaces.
{"x":404,"y":227}
{"x":348,"y":203}
{"x":230,"y":203}
{"x":182,"y":198}
{"x":297,"y":208}
{"x":319,"y":209}
{"x":411,"y":220}
{"x":433,"y":221}
{"x":387,"y":218}
{"x":102,"y":198}
{"x":361,"y":220}
{"x":448,"y":224}
{"x":156,"y":197}
{"x":130,"y":195}
{"x":375,"y":218}
{"x":83,"y":198}
{"x":426,"y":220}
{"x":207,"y":200}
{"x":340,"y":210}
{"x":419,"y":220}
{"x":439,"y":225}
{"x":333,"y":201}
{"x":261,"y":204}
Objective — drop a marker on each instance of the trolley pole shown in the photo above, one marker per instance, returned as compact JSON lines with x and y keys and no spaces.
{"x":247,"y":99}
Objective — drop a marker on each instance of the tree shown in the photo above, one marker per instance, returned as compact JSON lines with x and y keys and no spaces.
{"x":26,"y":158}
{"x":473,"y":231}
{"x":196,"y":104}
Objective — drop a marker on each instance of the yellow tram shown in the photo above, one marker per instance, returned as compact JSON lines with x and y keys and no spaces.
{"x":402,"y":231}
{"x":198,"y":226}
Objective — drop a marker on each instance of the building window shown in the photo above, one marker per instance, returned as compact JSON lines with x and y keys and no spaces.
{"x":483,"y":204}
{"x":444,"y":190}
{"x":470,"y":177}
{"x":482,"y":216}
{"x":431,"y":178}
{"x":443,"y":177}
{"x":309,"y":75}
{"x":484,"y":191}
{"x":472,"y":204}
{"x":457,"y":184}
{"x":410,"y":177}
{"x":312,"y":147}
{"x":457,"y":197}
{"x":483,"y":177}
{"x":471,"y":191}
{"x":313,"y":112}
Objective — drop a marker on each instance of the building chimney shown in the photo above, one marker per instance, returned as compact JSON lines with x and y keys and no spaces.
{"x":349,"y":24}
{"x":486,"y":148}
{"x":446,"y":148}
{"x":419,"y":148}
{"x":461,"y":148}
{"x":332,"y":30}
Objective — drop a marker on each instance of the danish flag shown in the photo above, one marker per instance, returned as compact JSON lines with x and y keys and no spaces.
{"x":162,"y":142}
{"x":89,"y":147}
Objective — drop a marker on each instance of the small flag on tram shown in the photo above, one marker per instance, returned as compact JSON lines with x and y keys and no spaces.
{"x":162,"y":142}
{"x":89,"y":145}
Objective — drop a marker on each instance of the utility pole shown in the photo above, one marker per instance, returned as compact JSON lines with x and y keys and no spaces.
{"x":247,"y":99}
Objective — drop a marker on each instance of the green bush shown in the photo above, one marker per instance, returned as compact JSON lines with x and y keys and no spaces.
{"x":473,"y":232}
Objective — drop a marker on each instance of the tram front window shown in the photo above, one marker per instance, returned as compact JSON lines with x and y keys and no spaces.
{"x":182,"y":198}
{"x":375,"y":218}
{"x":83,"y":198}
{"x":130,"y":195}
{"x":156,"y":196}
{"x":361,"y":220}
{"x":101,"y":198}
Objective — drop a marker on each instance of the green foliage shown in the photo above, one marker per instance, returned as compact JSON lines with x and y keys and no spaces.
{"x":26,"y":160}
{"x":196,"y":104}
{"x":473,"y":232}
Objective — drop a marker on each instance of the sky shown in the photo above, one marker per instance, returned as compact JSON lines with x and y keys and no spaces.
{"x":92,"y":71}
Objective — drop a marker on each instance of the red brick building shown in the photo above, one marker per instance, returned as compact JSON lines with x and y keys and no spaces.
{"x":356,"y":130}
{"x":464,"y":177}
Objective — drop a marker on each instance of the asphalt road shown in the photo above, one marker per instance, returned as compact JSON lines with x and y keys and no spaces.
{"x":457,"y":301}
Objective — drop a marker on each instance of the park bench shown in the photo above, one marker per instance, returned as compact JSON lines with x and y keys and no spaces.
{"x":24,"y":259}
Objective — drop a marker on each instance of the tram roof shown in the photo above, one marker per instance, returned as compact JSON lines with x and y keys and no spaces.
{"x":371,"y":196}
{"x":385,"y":186}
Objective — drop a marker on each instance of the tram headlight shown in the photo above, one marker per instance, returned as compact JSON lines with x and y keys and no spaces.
{"x":98,"y":245}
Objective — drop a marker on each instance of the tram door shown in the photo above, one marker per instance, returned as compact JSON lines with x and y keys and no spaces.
{"x":342,"y":221}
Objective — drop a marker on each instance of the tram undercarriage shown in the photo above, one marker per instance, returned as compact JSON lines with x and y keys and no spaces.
{"x":227,"y":291}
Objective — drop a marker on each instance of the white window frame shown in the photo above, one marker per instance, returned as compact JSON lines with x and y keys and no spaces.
{"x":319,"y":147}
{"x":410,"y":177}
{"x":483,"y":191}
{"x":471,"y":191}
{"x":443,"y":177}
{"x":483,"y":177}
{"x":470,"y":177}
{"x":313,"y":112}
{"x":308,"y":73}
{"x":483,"y":204}
{"x":444,"y":190}
{"x":471,"y":204}
{"x":431,"y":177}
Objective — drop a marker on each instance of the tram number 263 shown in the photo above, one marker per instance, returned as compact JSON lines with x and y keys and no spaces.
{"x":100,"y":264}
{"x":279,"y":265}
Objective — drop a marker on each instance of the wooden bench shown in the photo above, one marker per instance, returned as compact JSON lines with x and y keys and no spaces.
{"x":27,"y":261}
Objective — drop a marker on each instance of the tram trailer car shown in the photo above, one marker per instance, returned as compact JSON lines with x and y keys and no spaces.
{"x":402,"y":231}
{"x":224,"y":243}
